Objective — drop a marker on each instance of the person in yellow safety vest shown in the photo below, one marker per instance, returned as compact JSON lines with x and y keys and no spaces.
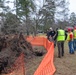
{"x":70,"y":41}
{"x":74,"y":38}
{"x":60,"y":38}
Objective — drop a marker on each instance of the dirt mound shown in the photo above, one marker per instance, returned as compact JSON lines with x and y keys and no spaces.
{"x":10,"y":50}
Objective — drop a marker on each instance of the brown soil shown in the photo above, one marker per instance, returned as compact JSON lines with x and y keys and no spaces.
{"x":32,"y":64}
{"x":31,"y":61}
{"x":10,"y":50}
{"x":33,"y":57}
{"x":12,"y":47}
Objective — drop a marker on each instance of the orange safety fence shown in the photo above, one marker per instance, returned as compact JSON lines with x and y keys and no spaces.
{"x":36,"y":40}
{"x":18,"y":68}
{"x":46,"y":67}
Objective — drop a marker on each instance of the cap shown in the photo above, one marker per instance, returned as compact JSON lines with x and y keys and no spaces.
{"x":69,"y":29}
{"x":75,"y":27}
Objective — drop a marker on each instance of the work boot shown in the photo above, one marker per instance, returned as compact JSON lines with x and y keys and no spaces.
{"x":62,"y":54}
{"x":72,"y":53}
{"x":59,"y":56}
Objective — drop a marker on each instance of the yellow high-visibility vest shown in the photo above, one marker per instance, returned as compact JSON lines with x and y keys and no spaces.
{"x":74,"y":34}
{"x":68,"y":37}
{"x":61,"y":35}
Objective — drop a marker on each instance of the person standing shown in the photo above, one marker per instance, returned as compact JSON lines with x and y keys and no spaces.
{"x":74,"y":38}
{"x":60,"y":38}
{"x":50,"y":35}
{"x":70,"y":41}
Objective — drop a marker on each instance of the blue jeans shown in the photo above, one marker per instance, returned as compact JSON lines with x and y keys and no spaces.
{"x":71,"y":49}
{"x":74,"y":44}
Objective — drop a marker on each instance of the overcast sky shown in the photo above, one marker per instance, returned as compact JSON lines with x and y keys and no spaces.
{"x":72,"y":5}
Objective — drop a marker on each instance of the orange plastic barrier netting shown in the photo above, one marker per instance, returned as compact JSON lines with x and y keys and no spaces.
{"x":18,"y":67}
{"x":46,"y":67}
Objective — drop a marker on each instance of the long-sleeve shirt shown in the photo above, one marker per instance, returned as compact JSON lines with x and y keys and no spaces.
{"x":50,"y":33}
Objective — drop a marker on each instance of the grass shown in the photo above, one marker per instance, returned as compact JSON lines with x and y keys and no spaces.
{"x":67,"y":64}
{"x":64,"y":66}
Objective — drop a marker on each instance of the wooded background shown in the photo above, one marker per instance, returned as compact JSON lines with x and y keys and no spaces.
{"x":30,"y":20}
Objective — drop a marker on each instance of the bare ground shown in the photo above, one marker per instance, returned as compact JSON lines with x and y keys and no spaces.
{"x":64,"y":66}
{"x":32,"y":64}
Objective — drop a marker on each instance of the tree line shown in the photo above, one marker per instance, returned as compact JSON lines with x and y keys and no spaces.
{"x":25,"y":17}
